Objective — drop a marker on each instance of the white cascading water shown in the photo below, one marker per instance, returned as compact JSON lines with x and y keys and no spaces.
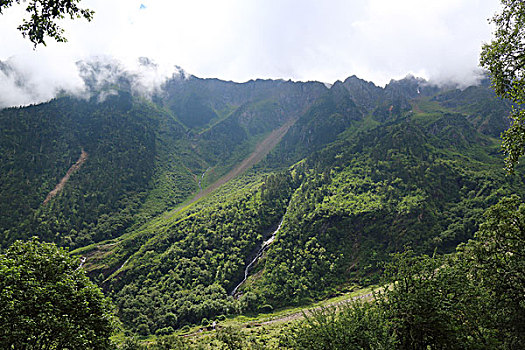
{"x":264,"y":246}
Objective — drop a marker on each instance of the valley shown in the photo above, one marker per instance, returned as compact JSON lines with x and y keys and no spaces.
{"x":214,"y":200}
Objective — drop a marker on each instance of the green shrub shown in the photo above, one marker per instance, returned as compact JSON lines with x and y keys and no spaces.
{"x":164,"y":331}
{"x":267,"y":308}
{"x":205,"y":322}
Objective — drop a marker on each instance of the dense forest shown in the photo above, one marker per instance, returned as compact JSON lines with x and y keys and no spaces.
{"x":359,"y":175}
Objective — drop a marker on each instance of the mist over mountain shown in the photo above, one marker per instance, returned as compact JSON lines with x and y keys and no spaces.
{"x":168,"y":185}
{"x":24,"y":83}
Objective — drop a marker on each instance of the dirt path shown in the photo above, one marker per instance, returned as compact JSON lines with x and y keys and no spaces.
{"x":62,"y":183}
{"x":287,"y":318}
{"x":298,"y":315}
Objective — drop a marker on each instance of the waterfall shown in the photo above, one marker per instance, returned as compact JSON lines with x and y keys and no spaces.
{"x":260,"y":252}
{"x":202,"y":178}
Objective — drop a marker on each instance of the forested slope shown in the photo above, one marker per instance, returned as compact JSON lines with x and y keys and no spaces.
{"x":143,"y":158}
{"x":362,"y":172}
{"x":40,"y":143}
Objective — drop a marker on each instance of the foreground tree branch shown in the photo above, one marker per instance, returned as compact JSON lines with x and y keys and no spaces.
{"x":43,"y":17}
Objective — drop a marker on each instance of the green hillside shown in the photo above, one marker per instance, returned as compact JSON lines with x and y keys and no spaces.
{"x":361,"y":172}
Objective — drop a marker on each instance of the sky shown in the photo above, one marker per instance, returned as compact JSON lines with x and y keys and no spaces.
{"x":239,"y":40}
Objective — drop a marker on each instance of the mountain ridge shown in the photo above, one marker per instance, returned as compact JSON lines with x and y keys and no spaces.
{"x":355,"y":172}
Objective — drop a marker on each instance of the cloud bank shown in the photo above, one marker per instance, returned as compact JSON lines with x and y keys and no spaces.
{"x":22,"y":82}
{"x":376,"y":40}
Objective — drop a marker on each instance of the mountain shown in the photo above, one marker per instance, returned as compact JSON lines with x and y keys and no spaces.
{"x":170,"y":195}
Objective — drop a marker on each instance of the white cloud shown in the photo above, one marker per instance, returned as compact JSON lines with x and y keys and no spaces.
{"x":36,"y":77}
{"x":437,"y":39}
{"x":240,"y":40}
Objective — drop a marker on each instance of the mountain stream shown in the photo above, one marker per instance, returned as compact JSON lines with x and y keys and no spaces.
{"x":260,"y":252}
{"x":202,"y":178}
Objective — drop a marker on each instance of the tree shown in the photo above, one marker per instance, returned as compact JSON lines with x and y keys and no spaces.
{"x":498,"y":251}
{"x":431,"y":303}
{"x":504,"y":58}
{"x":355,"y":325}
{"x":47,"y":301}
{"x":43,"y":17}
{"x":498,"y":255}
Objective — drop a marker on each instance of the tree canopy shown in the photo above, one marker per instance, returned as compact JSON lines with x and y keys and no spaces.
{"x":43,"y":16}
{"x":47,"y":301}
{"x":504,"y":58}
